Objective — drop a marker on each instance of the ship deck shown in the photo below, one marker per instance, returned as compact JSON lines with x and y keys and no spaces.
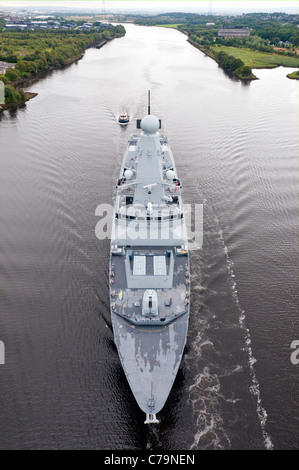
{"x":172,"y":286}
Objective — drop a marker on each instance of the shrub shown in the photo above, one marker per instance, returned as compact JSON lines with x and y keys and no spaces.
{"x":9,"y":94}
{"x":12,"y":96}
{"x":12,"y":74}
{"x":4,"y":79}
{"x":245,"y":71}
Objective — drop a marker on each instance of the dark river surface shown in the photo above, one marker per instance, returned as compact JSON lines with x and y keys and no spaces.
{"x":236,"y":151}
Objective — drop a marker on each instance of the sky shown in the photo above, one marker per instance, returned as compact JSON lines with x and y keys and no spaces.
{"x":200,"y":6}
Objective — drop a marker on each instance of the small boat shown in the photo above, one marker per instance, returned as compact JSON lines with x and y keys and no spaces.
{"x":124,"y":118}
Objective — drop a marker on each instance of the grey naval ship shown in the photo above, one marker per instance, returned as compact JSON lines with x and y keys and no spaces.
{"x":149,"y":268}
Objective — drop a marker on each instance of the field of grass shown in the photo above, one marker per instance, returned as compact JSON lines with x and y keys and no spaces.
{"x":174,"y":26}
{"x":256,"y":59}
{"x":294,"y":75}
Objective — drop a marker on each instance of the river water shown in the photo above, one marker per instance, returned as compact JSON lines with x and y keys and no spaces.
{"x":236,"y":151}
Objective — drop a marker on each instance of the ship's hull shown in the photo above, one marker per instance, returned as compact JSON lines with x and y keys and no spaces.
{"x":149,"y":269}
{"x":150,"y":357}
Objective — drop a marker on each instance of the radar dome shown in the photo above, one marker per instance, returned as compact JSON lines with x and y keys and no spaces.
{"x":170,"y":175}
{"x":128,"y":174}
{"x":150,"y":124}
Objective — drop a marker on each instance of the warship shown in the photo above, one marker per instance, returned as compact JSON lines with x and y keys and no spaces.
{"x":149,"y":268}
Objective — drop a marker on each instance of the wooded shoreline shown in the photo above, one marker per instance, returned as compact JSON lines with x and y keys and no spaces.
{"x":14,"y":94}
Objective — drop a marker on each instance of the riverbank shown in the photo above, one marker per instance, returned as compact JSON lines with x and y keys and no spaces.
{"x":39,"y":53}
{"x":101,"y":44}
{"x":24,"y":82}
{"x":258,"y":59}
{"x":27,"y":96}
{"x":243,"y":72}
{"x":250,"y":58}
{"x":294,"y":75}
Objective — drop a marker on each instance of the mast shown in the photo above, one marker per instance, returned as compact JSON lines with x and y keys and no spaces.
{"x":149,"y":102}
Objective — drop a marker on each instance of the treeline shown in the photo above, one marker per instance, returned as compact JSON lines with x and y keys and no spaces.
{"x":34,"y":52}
{"x":271,"y":27}
{"x":254,"y":41}
{"x":276,"y":33}
{"x":229,"y":63}
{"x":53,"y":46}
{"x":257,"y":43}
{"x":232,"y":65}
{"x":168,"y":18}
{"x":251,"y":42}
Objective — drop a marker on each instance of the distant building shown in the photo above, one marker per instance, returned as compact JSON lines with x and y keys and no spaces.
{"x":105,"y":26}
{"x":85,"y":27}
{"x":44,"y":17}
{"x":54,"y":24}
{"x":32,"y":25}
{"x":68,"y":26}
{"x":38,"y":23}
{"x":11,"y":27}
{"x":4,"y":66}
{"x":210,"y":24}
{"x":233,"y":32}
{"x":285,"y":43}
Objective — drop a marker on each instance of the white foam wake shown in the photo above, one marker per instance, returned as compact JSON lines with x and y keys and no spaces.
{"x":254,"y":388}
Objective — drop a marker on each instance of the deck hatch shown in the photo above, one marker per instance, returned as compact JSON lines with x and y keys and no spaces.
{"x":139,"y":265}
{"x":160,"y":266}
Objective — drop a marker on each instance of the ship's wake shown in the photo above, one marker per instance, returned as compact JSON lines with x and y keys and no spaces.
{"x":221,"y":348}
{"x":255,"y":387}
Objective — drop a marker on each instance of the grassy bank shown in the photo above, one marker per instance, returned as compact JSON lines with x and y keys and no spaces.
{"x":294,"y":75}
{"x":256,"y":59}
{"x":250,"y":59}
{"x":233,"y":66}
{"x":173,"y":26}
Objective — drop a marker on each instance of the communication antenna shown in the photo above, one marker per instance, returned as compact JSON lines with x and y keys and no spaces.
{"x":103,"y":15}
{"x":138,"y":122}
{"x":210,"y":9}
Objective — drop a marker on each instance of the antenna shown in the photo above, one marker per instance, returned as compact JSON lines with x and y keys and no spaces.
{"x":103,"y":11}
{"x":138,"y":122}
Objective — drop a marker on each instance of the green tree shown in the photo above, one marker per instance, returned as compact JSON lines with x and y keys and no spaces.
{"x":9,"y":93}
{"x":12,"y":74}
{"x":245,"y":71}
{"x":4,"y":79}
